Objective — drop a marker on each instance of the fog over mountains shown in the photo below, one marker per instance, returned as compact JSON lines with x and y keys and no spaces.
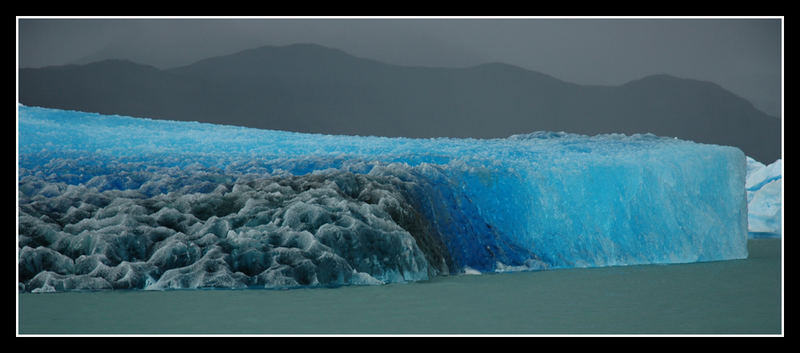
{"x":310,"y":88}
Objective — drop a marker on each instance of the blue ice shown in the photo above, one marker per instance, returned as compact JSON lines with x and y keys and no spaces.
{"x":536,"y":201}
{"x":764,"y":198}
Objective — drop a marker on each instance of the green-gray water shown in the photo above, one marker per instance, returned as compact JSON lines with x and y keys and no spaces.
{"x":726,"y":297}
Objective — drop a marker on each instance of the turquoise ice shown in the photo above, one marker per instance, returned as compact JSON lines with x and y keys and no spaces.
{"x":122,"y":202}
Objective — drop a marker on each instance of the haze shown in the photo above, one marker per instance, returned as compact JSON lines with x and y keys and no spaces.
{"x":741,"y":55}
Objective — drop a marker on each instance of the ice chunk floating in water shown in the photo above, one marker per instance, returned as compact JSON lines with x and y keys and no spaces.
{"x":119,"y":202}
{"x":764,"y":201}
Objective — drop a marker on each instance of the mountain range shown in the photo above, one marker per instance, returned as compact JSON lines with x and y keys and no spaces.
{"x":311,"y":88}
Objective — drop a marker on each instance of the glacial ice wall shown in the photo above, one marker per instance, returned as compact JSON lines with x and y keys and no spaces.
{"x":120,"y":202}
{"x":764,"y":198}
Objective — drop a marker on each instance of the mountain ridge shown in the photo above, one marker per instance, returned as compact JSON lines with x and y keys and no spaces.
{"x":311,"y":88}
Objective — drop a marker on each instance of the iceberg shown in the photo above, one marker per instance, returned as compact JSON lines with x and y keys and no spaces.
{"x":764,"y":198}
{"x":134,"y":203}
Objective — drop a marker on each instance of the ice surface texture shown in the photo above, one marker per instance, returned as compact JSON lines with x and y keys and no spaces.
{"x":764,"y":198}
{"x":119,"y":202}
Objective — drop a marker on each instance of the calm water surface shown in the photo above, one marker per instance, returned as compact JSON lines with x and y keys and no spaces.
{"x":726,"y":297}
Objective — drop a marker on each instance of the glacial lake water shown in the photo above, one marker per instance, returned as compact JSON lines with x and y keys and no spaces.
{"x":739,"y":297}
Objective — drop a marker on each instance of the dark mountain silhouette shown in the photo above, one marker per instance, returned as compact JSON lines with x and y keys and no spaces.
{"x":309,"y":88}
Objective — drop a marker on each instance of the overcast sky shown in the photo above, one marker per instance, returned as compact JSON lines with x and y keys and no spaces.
{"x":741,"y":55}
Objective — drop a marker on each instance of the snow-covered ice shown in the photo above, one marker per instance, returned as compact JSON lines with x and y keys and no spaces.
{"x":120,"y":202}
